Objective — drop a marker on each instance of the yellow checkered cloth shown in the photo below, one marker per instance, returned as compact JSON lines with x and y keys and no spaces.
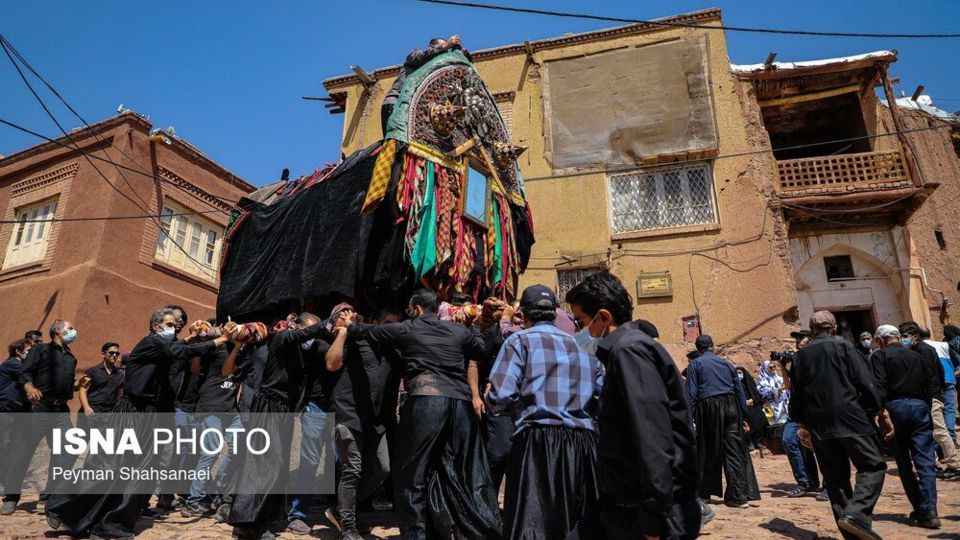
{"x":381,"y":175}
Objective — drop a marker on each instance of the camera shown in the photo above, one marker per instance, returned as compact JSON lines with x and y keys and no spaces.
{"x":784,"y":357}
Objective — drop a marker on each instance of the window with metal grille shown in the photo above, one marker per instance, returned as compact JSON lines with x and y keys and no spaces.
{"x":28,"y":240}
{"x":838,"y":267}
{"x":189,"y":242}
{"x":568,"y":279}
{"x":661,"y":197}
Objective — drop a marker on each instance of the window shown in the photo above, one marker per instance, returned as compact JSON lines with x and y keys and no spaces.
{"x":941,"y":241}
{"x":28,"y":241}
{"x":673,"y":196}
{"x":838,"y":267}
{"x":568,"y":279}
{"x":188,"y":242}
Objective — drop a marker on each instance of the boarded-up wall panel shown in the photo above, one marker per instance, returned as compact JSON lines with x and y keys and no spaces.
{"x":628,"y":105}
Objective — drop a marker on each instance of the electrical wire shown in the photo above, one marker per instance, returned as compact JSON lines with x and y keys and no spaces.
{"x":102,"y":218}
{"x":96,"y":157}
{"x":733,"y":155}
{"x":674,"y":24}
{"x":53,"y":117}
{"x":142,"y":170}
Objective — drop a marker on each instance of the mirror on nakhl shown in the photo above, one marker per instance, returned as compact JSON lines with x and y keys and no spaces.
{"x":476,"y":199}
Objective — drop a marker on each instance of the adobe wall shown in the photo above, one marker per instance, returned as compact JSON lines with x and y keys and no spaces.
{"x":938,"y":162}
{"x":740,"y":281}
{"x":97,"y":276}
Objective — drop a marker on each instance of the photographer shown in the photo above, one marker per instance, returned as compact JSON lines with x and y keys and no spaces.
{"x":803,"y":462}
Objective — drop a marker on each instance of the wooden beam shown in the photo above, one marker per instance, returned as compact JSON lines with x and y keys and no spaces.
{"x":365,"y":78}
{"x":462,"y":149}
{"x":768,"y":63}
{"x":799,"y":98}
{"x":901,"y":138}
{"x":917,"y":92}
{"x":313,"y":98}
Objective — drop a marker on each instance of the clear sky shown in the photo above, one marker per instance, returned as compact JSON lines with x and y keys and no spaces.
{"x":229,"y":76}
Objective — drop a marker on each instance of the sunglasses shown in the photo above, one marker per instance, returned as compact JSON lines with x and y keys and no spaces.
{"x":112,"y":353}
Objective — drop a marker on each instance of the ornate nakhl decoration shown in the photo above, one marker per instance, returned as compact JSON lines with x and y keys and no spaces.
{"x":505,"y":154}
{"x":462,"y":94}
{"x":446,"y":117}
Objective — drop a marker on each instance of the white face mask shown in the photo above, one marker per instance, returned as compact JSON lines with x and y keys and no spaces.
{"x":307,"y":344}
{"x":586,"y":341}
{"x":866,"y":343}
{"x":167,"y":332}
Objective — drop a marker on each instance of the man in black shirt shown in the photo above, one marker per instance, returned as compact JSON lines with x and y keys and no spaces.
{"x":647,"y":449}
{"x":281,"y":391}
{"x":360,"y":373}
{"x":906,"y":384}
{"x":103,"y":382}
{"x":146,"y":390}
{"x":12,"y":399}
{"x":314,"y":431}
{"x":216,"y":411}
{"x":438,"y":440}
{"x":47,"y":376}
{"x":99,"y":392}
{"x":34,"y":337}
{"x":835,"y":400}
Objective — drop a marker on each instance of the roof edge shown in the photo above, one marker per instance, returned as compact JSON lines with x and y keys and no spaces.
{"x":125,"y":117}
{"x":699,"y":16}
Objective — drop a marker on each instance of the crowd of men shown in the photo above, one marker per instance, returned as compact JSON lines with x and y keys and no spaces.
{"x":584,"y":415}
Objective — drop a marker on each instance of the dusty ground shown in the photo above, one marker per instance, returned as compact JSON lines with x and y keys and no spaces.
{"x":776,"y":517}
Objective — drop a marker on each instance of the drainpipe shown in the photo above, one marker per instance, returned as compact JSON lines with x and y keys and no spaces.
{"x":945,"y":302}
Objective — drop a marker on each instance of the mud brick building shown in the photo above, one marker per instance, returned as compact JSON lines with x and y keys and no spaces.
{"x":106,"y":276}
{"x":707,"y":187}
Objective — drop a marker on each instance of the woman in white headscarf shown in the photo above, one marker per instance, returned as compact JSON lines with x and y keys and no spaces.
{"x":770,"y":385}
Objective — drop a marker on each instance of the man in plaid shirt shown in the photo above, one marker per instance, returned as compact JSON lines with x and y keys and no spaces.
{"x":551,"y":386}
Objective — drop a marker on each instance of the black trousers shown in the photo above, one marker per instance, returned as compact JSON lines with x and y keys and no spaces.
{"x":117,"y":513}
{"x":835,"y":457}
{"x":721,"y":449}
{"x":263,"y":502}
{"x":442,"y":485}
{"x":46,"y":417}
{"x":498,"y":436}
{"x":609,"y":521}
{"x":552,"y":480}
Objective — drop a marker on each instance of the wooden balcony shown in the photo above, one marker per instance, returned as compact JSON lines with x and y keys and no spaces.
{"x":845,"y":173}
{"x":849,"y":189}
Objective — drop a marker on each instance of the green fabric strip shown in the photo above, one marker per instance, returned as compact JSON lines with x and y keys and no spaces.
{"x":397,"y":123}
{"x":424,"y":256}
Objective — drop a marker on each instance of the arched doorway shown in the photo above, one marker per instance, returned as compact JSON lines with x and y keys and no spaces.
{"x":856,"y":285}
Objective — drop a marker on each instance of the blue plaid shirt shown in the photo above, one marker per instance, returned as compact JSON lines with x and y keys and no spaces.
{"x":542,"y":377}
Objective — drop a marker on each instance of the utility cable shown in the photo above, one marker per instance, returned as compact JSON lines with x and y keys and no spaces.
{"x":156,"y":217}
{"x":675,"y":24}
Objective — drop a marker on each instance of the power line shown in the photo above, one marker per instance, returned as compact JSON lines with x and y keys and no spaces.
{"x":142,"y":170}
{"x":725,"y":156}
{"x":103,"y":218}
{"x":674,"y":24}
{"x":3,"y":44}
{"x":94,"y":156}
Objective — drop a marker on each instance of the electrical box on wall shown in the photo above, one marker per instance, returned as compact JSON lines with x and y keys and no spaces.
{"x":654,"y":285}
{"x":691,"y":329}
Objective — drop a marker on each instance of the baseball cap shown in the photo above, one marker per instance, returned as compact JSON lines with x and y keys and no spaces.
{"x":704,"y":342}
{"x":864,"y":335}
{"x":800,"y":334}
{"x":538,"y":297}
{"x":822,"y":319}
{"x":888,"y":330}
